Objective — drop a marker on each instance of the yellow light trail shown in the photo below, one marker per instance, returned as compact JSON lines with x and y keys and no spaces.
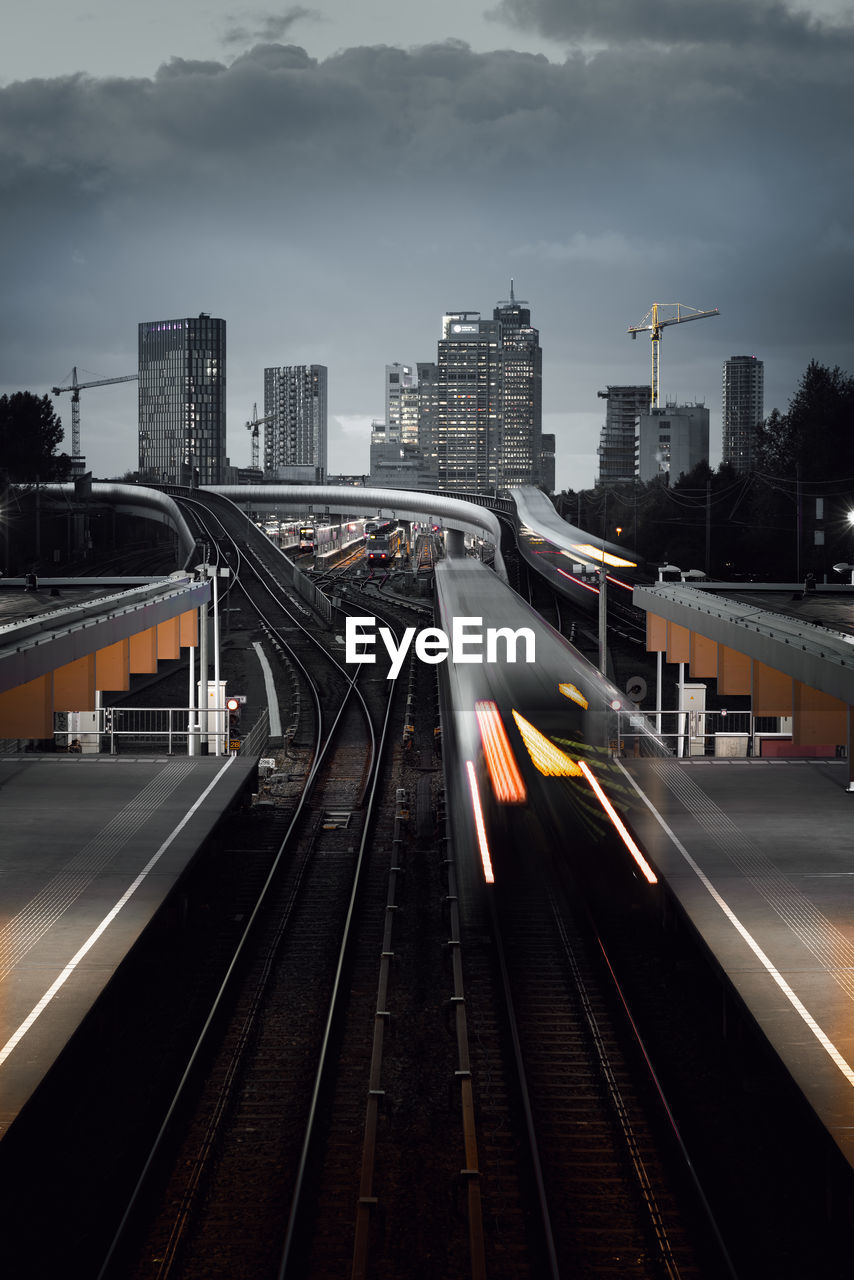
{"x":596,"y":553}
{"x":570,"y":691}
{"x":549,"y":759}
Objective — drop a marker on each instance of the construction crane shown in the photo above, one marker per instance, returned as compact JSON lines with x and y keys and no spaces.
{"x":75,"y":388}
{"x":653,"y":322}
{"x":253,"y":426}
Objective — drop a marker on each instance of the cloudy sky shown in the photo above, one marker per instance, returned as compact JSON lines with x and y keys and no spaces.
{"x":332,"y":178}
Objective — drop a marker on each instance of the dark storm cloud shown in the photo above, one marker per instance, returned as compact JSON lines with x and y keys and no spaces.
{"x":669,"y":22}
{"x":496,"y":116}
{"x":332,"y":209}
{"x":265,"y":28}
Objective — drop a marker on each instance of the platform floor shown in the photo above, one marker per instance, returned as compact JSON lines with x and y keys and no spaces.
{"x":91,"y":846}
{"x":760,"y":853}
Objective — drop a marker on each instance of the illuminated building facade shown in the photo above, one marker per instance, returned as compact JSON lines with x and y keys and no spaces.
{"x":399,"y":385}
{"x":428,"y":417}
{"x":182,"y":400}
{"x":489,"y":400}
{"x":520,"y":455}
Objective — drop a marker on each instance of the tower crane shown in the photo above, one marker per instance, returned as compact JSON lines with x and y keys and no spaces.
{"x":253,"y":426}
{"x":653,"y":322}
{"x":75,"y":388}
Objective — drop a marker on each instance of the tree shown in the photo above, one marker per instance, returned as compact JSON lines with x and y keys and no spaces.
{"x":803,"y":458}
{"x":30,"y":432}
{"x":813,"y":440}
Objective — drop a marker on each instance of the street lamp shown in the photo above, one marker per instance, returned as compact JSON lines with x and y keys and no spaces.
{"x":844,"y":567}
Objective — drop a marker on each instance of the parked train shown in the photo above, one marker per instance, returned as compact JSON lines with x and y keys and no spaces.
{"x":307,"y":536}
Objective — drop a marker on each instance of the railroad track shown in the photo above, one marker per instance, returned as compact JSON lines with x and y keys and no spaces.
{"x":279,"y":1146}
{"x":281,"y":977}
{"x":574,"y":1180}
{"x":362,"y":1111}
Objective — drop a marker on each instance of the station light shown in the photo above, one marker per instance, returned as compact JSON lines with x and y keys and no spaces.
{"x":233,"y":706}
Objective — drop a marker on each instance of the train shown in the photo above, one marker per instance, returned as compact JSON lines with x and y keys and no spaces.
{"x":383,"y":542}
{"x":532,"y":727}
{"x":570,"y":558}
{"x":310,"y":537}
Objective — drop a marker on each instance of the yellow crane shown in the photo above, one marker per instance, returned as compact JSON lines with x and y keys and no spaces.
{"x":75,"y":388}
{"x":657,"y":319}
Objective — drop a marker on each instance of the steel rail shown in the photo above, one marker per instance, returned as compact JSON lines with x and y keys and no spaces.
{"x":225,"y":986}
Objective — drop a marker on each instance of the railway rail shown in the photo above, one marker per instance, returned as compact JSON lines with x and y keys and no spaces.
{"x":264,"y":1136}
{"x":394,"y":1078}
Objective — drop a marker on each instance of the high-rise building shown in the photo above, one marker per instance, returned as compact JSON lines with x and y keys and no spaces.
{"x":399,"y":378}
{"x":547,"y":463}
{"x":428,"y":416}
{"x":672,"y":441}
{"x":469,"y":403}
{"x":295,"y":397}
{"x":409,"y":409}
{"x":520,"y":457}
{"x":182,"y":400}
{"x":743,"y":407}
{"x":489,"y":402}
{"x":618,"y":437}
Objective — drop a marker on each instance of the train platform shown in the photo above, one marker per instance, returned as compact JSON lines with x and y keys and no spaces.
{"x":760,"y":855}
{"x":92,"y":847}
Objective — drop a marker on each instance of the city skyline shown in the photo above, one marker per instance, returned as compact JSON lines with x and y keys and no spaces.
{"x":331,"y":182}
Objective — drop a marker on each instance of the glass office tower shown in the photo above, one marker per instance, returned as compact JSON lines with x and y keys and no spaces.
{"x":489,"y":400}
{"x":182,"y":400}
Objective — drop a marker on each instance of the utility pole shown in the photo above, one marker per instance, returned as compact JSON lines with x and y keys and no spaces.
{"x":798,"y":530}
{"x":708,"y":526}
{"x":603,"y":597}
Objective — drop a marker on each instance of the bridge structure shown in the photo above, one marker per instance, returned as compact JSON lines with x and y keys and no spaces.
{"x":473,"y":513}
{"x":59,"y":660}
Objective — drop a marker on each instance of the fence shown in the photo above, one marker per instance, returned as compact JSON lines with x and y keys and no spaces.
{"x":723,"y":734}
{"x":161,"y":730}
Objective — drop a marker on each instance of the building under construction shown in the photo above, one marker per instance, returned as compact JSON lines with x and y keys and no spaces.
{"x":618,"y":437}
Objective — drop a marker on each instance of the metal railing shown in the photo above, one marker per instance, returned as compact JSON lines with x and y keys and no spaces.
{"x":161,"y":730}
{"x":722,"y":734}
